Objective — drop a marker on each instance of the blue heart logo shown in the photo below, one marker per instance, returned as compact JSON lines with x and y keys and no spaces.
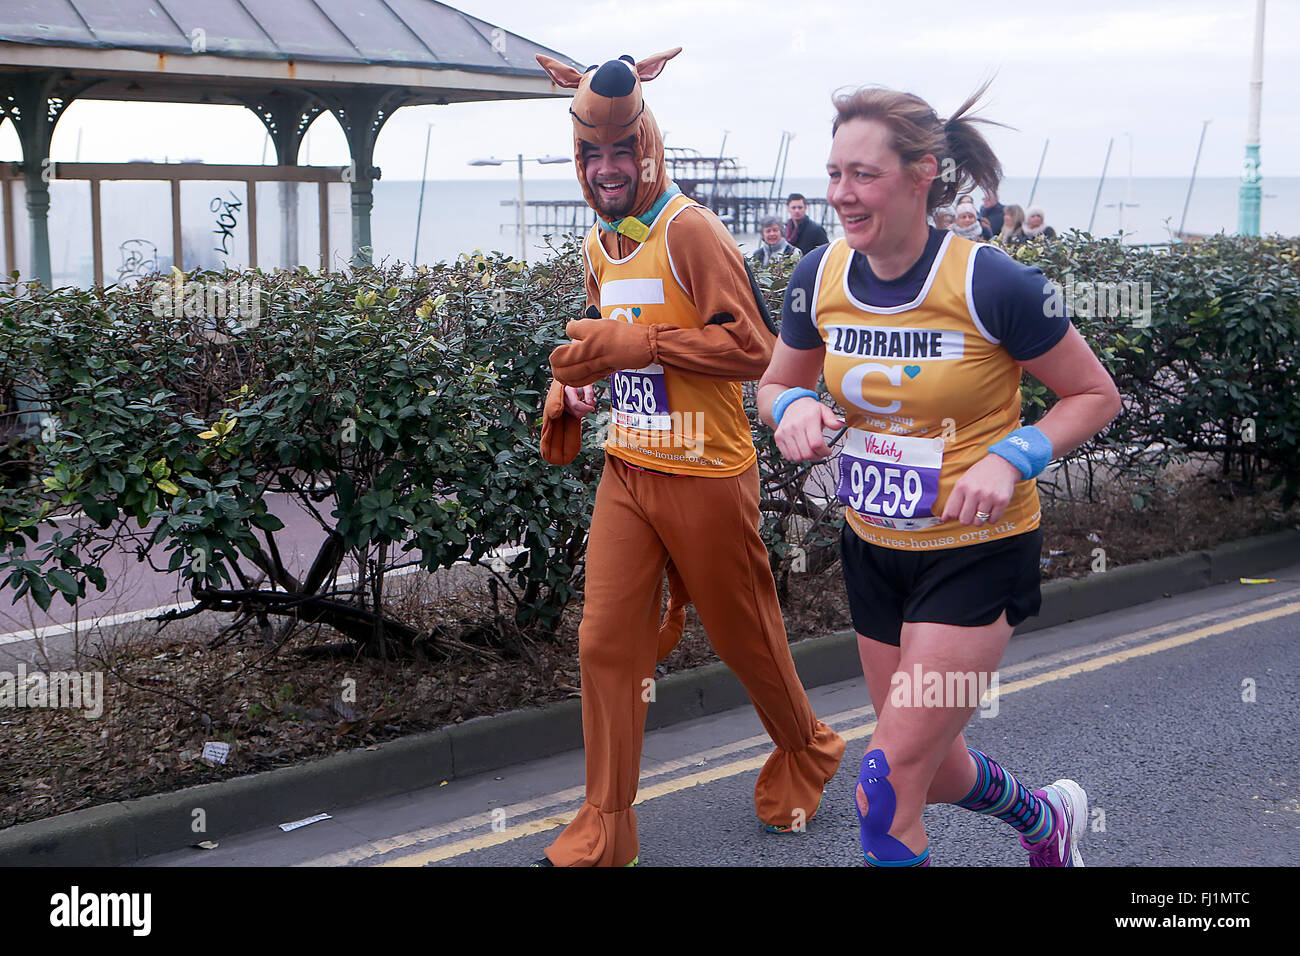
{"x":912,"y":370}
{"x":637,"y":312}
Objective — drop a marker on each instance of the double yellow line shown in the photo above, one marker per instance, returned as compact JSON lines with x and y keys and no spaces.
{"x":393,"y":847}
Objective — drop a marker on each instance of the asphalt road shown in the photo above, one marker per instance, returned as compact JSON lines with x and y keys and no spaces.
{"x":1179,"y":717}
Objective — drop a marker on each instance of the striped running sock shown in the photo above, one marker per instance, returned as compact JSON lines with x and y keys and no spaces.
{"x":999,"y":794}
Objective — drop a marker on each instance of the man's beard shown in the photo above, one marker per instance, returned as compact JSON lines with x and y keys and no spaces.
{"x":615,"y":209}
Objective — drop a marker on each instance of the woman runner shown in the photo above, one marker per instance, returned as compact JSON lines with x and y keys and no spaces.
{"x":921,"y":336}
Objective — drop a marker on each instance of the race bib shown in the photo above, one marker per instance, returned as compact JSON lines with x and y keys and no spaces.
{"x":640,"y":399}
{"x":891,"y":481}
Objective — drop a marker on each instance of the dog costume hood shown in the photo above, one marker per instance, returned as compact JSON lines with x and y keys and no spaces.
{"x":607,"y":108}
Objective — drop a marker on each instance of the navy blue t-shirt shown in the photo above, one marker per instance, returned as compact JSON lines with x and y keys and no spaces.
{"x":1016,"y":303}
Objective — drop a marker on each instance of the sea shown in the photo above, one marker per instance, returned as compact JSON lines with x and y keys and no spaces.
{"x":464,"y":215}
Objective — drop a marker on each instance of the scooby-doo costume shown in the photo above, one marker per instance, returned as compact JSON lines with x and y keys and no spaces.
{"x":678,"y":330}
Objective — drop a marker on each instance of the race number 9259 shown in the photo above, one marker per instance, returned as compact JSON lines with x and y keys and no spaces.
{"x":887,"y":491}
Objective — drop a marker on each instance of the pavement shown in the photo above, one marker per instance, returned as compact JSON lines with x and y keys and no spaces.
{"x":138,"y":592}
{"x":137,"y":587}
{"x":1139,"y":696}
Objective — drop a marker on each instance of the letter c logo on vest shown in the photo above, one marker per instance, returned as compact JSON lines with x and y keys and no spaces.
{"x":851,"y":386}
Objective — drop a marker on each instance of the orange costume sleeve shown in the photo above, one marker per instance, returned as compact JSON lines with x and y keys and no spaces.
{"x":733,"y":344}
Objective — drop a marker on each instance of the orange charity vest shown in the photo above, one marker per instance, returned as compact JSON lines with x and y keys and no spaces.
{"x":925,"y":391}
{"x":662,"y":419}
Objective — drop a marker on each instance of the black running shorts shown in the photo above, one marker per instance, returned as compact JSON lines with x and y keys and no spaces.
{"x":967,"y":587}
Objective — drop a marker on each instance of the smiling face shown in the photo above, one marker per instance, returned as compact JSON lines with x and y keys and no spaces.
{"x":611,"y":174}
{"x":879,"y":202}
{"x":1035,"y":221}
{"x":772,"y":234}
{"x":965,"y":218}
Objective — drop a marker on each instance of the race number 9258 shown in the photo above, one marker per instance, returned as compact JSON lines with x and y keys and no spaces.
{"x":635,"y":393}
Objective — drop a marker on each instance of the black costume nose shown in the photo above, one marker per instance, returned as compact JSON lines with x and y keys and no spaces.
{"x":613,"y":79}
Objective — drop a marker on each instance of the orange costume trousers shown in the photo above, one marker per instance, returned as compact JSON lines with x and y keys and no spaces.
{"x":708,"y":528}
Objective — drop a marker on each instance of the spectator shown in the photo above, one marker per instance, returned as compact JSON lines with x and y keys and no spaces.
{"x":1035,"y":226}
{"x":968,"y":225}
{"x":1013,"y":233}
{"x":773,"y":244}
{"x":992,"y":213}
{"x":944,"y":217}
{"x":801,"y":231}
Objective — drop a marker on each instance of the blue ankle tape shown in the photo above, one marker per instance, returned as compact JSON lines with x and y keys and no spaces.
{"x":921,"y":859}
{"x":1027,"y":448}
{"x":873,"y":829}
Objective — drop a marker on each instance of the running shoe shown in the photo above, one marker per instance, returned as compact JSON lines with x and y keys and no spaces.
{"x":1069,"y":805}
{"x":546,"y":861}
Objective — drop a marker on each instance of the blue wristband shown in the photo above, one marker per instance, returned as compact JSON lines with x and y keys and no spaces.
{"x":1027,"y":448}
{"x":786,"y":399}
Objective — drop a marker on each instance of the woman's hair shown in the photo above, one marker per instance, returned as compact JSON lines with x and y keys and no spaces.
{"x":1013,"y":218}
{"x":965,"y":158}
{"x":768,"y":221}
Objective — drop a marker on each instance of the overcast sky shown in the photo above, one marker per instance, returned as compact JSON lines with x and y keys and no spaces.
{"x":1145,"y":73}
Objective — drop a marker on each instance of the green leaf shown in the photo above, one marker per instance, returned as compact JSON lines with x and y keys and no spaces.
{"x":267,"y":522}
{"x":64,"y":581}
{"x":40,"y":590}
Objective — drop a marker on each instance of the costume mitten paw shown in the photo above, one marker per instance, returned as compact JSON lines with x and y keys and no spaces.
{"x":561,"y":432}
{"x":601,"y":347}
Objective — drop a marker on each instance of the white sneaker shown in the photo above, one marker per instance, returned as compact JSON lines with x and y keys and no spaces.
{"x":1069,"y":805}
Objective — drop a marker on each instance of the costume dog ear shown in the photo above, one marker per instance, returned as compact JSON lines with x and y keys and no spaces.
{"x":563,"y":76}
{"x":651,"y":66}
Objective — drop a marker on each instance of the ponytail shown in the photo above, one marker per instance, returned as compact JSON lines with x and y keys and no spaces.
{"x":970,"y":156}
{"x":964,"y":156}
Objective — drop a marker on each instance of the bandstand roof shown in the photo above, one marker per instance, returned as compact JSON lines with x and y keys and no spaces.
{"x":221,"y":51}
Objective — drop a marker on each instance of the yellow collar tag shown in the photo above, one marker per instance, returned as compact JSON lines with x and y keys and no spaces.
{"x":634,"y":228}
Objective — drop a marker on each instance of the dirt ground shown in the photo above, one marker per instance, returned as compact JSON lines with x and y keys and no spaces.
{"x":277,"y":704}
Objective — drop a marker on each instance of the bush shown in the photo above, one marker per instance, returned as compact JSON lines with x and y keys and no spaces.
{"x":402,"y":413}
{"x":1212,"y":368}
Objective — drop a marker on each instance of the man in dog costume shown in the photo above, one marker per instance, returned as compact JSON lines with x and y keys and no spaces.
{"x":673,"y":321}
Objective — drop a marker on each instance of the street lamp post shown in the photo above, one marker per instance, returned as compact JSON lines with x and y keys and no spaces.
{"x":521,"y":211}
{"x":1249,"y":193}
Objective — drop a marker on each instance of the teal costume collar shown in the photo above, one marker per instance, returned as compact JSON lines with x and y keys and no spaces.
{"x":639,"y":233}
